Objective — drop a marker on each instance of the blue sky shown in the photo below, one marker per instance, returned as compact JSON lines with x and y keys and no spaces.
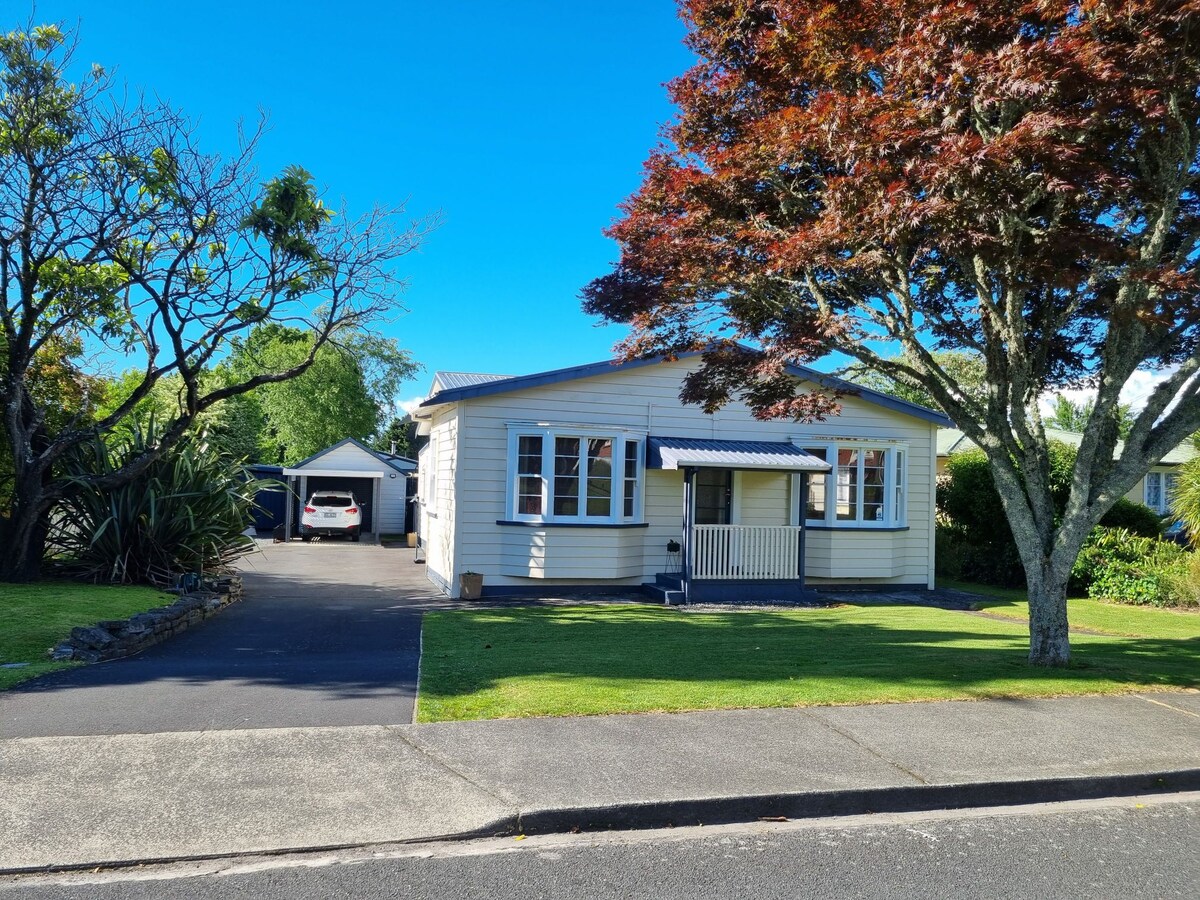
{"x":524,"y":122}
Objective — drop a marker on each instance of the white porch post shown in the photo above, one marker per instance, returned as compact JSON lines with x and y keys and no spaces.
{"x":803,"y":529}
{"x":689,"y":482}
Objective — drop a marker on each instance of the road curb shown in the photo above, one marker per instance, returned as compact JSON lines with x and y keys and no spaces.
{"x":726,"y":810}
{"x":820,"y":804}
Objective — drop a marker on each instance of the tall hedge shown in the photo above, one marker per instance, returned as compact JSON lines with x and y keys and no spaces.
{"x":975,"y":533}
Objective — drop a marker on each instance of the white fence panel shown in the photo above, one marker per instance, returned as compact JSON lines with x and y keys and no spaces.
{"x":745,"y":552}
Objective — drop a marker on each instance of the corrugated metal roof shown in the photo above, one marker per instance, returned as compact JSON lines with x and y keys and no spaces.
{"x":490,"y":384}
{"x":673,"y":453}
{"x":450,"y":381}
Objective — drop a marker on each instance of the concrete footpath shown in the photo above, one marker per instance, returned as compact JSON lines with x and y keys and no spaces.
{"x":124,"y":799}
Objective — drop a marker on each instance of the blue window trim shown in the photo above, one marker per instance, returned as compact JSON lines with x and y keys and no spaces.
{"x":572,"y":524}
{"x":857,"y":527}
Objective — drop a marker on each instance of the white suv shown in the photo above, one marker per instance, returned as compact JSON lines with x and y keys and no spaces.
{"x":331,"y":512}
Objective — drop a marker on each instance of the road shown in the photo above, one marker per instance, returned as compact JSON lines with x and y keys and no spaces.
{"x":1141,"y":847}
{"x":329,"y":634}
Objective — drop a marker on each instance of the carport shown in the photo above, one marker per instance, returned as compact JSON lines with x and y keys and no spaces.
{"x":379,"y":482}
{"x":364,"y":485}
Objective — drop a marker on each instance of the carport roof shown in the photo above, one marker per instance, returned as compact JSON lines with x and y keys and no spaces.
{"x":399,"y":463}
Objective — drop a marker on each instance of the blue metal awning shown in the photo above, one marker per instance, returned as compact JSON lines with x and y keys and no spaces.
{"x":679,"y":453}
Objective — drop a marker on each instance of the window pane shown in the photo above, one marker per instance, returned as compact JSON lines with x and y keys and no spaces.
{"x":599,"y":496}
{"x":630,"y":489}
{"x":529,"y":496}
{"x":814,"y":497}
{"x":529,"y":472}
{"x":566,"y":498}
{"x":631,"y":459}
{"x":847,"y":484}
{"x":599,"y":458}
{"x":530,"y":445}
{"x":814,"y":505}
{"x":1154,"y":490}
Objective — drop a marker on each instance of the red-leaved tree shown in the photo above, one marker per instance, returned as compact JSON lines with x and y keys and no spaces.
{"x":889,"y":178}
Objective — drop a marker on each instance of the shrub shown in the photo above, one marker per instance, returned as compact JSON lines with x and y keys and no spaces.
{"x":1185,"y":585}
{"x":1122,"y":567}
{"x":981,"y":542}
{"x":968,"y":499}
{"x":1136,"y":518}
{"x":185,"y":513}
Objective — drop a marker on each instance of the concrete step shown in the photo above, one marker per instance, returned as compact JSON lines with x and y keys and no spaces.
{"x":661,"y":594}
{"x":669,"y":580}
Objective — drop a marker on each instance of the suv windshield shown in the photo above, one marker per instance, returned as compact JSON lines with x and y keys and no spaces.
{"x":326,"y":500}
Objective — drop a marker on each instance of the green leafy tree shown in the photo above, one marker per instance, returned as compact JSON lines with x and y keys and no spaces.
{"x":400,"y":437}
{"x":1071,"y":416}
{"x":346,"y":392}
{"x":117,"y":230}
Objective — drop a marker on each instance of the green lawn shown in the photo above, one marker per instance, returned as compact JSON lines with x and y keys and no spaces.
{"x":583,"y":660}
{"x":1111,"y":618}
{"x":34,"y":617}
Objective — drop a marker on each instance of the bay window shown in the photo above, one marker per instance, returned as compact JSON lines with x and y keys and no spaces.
{"x":574,"y":476}
{"x":866,"y":487}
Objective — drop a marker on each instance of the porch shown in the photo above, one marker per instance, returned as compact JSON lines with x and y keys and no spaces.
{"x":718,"y":559}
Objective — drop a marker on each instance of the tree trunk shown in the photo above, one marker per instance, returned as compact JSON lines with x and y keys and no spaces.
{"x":1049,"y":640}
{"x":23,"y":535}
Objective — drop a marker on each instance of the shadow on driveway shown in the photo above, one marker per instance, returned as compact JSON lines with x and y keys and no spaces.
{"x":329,"y":634}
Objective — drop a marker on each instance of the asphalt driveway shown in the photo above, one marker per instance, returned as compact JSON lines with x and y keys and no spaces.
{"x":329,"y":634}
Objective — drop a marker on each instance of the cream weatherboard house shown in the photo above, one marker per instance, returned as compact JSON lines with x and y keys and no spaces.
{"x":597,"y":479}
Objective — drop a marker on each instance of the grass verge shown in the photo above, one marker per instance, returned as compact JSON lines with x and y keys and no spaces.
{"x":587,"y":660}
{"x":34,"y":617}
{"x":1096,"y":615}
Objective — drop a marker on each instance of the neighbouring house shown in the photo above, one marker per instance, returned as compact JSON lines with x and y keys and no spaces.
{"x":598,"y":479}
{"x":381,"y":482}
{"x":1155,"y":490}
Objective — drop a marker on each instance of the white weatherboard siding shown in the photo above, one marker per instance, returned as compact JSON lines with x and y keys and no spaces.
{"x":438,"y":499}
{"x":644,"y":400}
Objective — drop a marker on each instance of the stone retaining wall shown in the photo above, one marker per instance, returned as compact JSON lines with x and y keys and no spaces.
{"x":117,"y":638}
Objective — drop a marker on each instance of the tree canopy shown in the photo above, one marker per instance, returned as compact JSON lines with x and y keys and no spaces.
{"x":348,"y":390}
{"x":119,"y":232}
{"x":890,"y":178}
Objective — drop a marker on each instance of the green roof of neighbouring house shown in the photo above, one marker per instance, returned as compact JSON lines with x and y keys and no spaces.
{"x":951,"y":440}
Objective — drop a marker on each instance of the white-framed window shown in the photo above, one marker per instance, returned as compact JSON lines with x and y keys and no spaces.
{"x":1160,"y":491}
{"x":561,"y":474}
{"x":867,"y":486}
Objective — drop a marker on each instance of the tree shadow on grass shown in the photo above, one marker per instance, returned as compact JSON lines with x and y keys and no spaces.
{"x":581,"y":659}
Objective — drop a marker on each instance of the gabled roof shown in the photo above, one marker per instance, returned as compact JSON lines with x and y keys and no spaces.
{"x":445,"y":381}
{"x":399,"y":463}
{"x":499,"y":384}
{"x":951,"y":440}
{"x":675,"y":453}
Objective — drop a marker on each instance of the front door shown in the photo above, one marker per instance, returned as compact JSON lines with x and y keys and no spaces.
{"x":714,"y":496}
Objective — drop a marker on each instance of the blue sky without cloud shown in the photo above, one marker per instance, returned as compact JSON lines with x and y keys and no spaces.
{"x":524,"y":122}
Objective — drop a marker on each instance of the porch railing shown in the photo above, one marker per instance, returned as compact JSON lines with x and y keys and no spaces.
{"x":744,"y":552}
